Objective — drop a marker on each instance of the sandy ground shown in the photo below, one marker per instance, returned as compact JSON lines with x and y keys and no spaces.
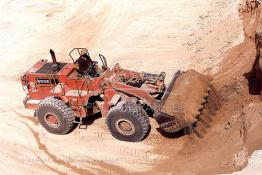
{"x":145,"y":36}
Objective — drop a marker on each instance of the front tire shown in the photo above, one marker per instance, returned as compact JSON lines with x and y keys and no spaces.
{"x":128,"y":122}
{"x":55,"y":116}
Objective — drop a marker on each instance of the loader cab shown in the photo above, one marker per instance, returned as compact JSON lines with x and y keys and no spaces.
{"x":84,"y":65}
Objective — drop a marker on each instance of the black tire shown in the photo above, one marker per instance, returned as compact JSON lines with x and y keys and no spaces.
{"x":52,"y":107}
{"x":134,"y":116}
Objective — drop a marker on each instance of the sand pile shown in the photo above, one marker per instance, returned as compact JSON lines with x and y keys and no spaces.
{"x":230,"y":137}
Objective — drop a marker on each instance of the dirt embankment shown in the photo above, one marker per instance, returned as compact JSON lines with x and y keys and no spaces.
{"x":233,"y":134}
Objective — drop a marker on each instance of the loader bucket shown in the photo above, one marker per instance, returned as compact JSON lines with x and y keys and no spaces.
{"x":184,"y":100}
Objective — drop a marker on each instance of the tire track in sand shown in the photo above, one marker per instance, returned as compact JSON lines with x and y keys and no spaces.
{"x":49,"y":167}
{"x":28,"y":118}
{"x":104,"y":167}
{"x":55,"y":159}
{"x":43,"y":147}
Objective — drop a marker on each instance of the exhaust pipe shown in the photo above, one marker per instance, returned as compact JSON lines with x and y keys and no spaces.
{"x":53,"y":56}
{"x":55,"y":66}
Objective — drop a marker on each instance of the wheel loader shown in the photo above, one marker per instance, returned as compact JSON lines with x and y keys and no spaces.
{"x":63,"y":94}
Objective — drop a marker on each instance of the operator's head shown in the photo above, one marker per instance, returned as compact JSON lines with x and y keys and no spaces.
{"x":83,"y":52}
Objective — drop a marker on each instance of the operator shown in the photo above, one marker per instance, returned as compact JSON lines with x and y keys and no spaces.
{"x":84,"y":65}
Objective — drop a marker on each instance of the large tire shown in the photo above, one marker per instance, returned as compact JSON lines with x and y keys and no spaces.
{"x":128,"y":122}
{"x":55,"y":116}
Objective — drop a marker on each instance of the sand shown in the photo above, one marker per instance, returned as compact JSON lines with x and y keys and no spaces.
{"x":155,"y":36}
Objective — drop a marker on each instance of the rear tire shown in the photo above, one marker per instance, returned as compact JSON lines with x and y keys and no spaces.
{"x":128,"y":122}
{"x":55,"y":116}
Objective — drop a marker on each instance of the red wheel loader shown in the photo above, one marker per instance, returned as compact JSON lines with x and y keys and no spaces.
{"x":63,"y":93}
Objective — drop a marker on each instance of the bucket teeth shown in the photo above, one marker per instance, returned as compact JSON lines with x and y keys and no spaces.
{"x":203,"y":101}
{"x":200,"y":107}
{"x":190,"y":96}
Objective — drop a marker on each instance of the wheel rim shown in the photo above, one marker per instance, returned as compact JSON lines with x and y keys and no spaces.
{"x":125,"y":127}
{"x":52,"y":120}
